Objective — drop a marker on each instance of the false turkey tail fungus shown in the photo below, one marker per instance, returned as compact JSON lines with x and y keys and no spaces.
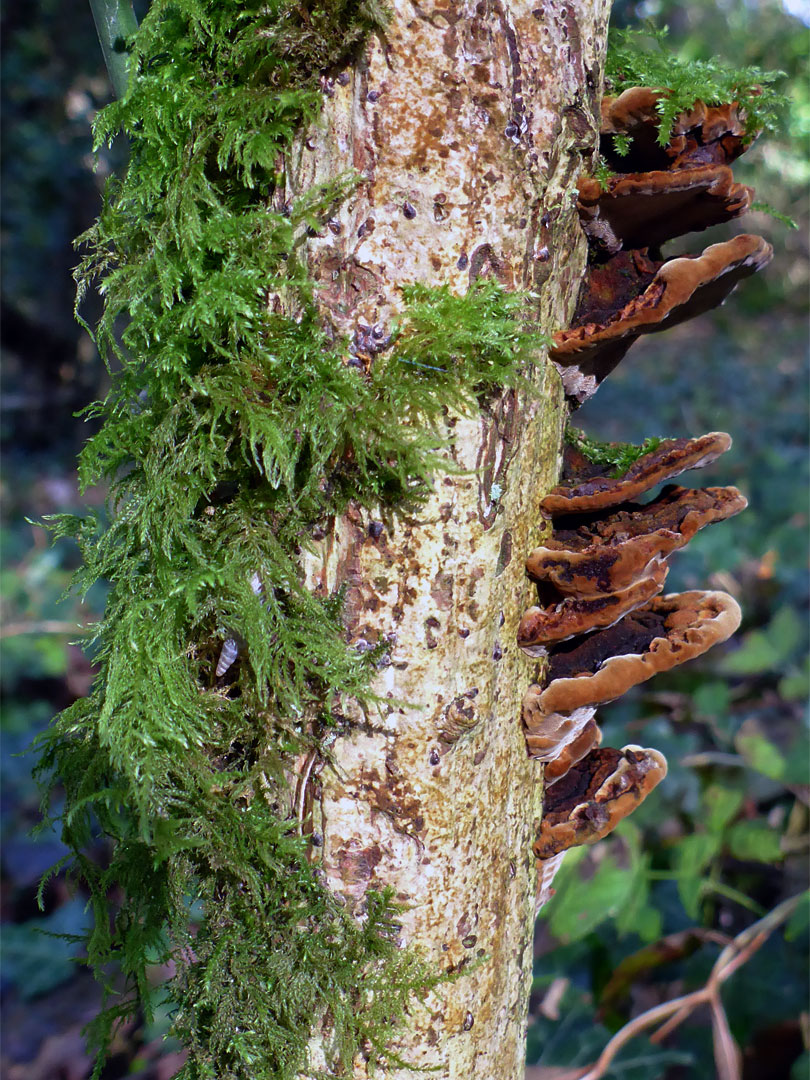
{"x":705,"y":134}
{"x":664,"y":633}
{"x":603,"y":635}
{"x":644,"y":210}
{"x":655,"y":193}
{"x":594,"y":795}
{"x":589,"y":738}
{"x":600,"y":620}
{"x":618,"y":548}
{"x":587,"y":488}
{"x":541,"y":626}
{"x":679,"y":289}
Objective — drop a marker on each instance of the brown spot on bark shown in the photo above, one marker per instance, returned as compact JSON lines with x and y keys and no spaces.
{"x":485,"y":263}
{"x":357,"y":863}
{"x":431,"y":625}
{"x":392,"y":796}
{"x":505,"y":553}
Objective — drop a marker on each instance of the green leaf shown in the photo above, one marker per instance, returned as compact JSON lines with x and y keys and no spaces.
{"x":787,"y":765}
{"x":754,"y":840}
{"x":692,"y":855}
{"x":795,"y":685}
{"x":721,"y":804}
{"x":767,"y":650}
{"x":756,"y":655}
{"x":578,"y":907}
{"x":762,"y":755}
{"x":712,"y":698}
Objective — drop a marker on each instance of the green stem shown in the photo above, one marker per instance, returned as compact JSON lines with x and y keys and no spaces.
{"x":709,"y":886}
{"x":115,"y":22}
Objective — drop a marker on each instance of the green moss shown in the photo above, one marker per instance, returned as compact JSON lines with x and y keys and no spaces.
{"x":602,"y":172}
{"x":617,"y":457}
{"x":229,"y":433}
{"x":641,"y":58}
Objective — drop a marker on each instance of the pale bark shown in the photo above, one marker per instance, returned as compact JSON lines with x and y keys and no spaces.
{"x":470,"y":123}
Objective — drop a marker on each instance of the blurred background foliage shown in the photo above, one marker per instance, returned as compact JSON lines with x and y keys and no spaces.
{"x":642,"y":917}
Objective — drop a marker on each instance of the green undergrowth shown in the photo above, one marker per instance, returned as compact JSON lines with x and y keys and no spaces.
{"x":642,"y":58}
{"x":617,"y":457}
{"x":230,"y":434}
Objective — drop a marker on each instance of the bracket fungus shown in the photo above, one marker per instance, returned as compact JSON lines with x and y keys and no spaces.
{"x":704,"y":134}
{"x":680,"y":289}
{"x":605,"y":664}
{"x":588,"y":739}
{"x":644,"y":210}
{"x":599,"y":620}
{"x":548,"y":735}
{"x":587,"y":489}
{"x":542,"y":626}
{"x":588,"y":802}
{"x":614,"y":549}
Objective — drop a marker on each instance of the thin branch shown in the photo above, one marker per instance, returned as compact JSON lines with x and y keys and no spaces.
{"x":737,"y":953}
{"x":727,"y":1055}
{"x":718,"y":887}
{"x":43,"y":626}
{"x":303,"y":780}
{"x":115,"y":23}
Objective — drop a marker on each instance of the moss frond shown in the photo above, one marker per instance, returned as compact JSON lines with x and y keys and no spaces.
{"x":617,"y":457}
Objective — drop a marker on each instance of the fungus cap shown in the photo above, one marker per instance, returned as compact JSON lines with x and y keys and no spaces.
{"x":595,"y":795}
{"x":573,"y":615}
{"x":704,"y":134}
{"x":588,"y":490}
{"x":605,"y":664}
{"x":682,"y":288}
{"x":624,"y":545}
{"x":588,"y":739}
{"x":548,"y":734}
{"x":546,"y":872}
{"x":644,"y":210}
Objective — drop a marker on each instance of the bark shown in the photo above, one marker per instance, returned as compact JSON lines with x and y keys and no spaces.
{"x":470,"y":124}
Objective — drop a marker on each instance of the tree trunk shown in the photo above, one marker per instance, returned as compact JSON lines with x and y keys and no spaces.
{"x":469,"y":124}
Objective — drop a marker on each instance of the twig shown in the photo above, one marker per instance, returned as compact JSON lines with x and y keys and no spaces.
{"x":44,"y":626}
{"x":735,"y":954}
{"x":115,"y":22}
{"x":302,"y":789}
{"x":727,"y":1055}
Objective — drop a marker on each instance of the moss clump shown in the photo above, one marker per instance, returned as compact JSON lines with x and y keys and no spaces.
{"x":641,"y":58}
{"x":229,"y":433}
{"x":617,"y":457}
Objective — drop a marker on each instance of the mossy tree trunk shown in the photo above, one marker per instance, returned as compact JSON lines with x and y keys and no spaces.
{"x":469,"y":123}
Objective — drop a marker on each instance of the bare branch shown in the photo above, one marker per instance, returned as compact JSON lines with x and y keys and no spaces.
{"x":736,"y":953}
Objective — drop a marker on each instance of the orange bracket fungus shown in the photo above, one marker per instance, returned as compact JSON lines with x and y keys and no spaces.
{"x":589,"y":738}
{"x":548,"y":735}
{"x":594,"y":795}
{"x":704,"y":135}
{"x":587,"y":489}
{"x":644,"y":210}
{"x":680,"y":289}
{"x":665,"y":632}
{"x":609,"y":565}
{"x":542,"y":626}
{"x":600,"y":622}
